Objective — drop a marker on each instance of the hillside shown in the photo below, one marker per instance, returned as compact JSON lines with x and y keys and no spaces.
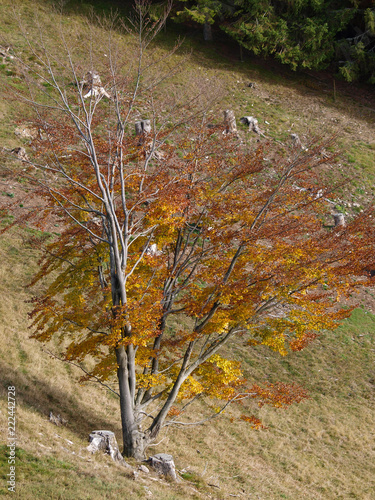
{"x":322,"y":448}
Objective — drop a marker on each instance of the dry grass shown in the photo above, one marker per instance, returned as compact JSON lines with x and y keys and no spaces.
{"x":320,"y":449}
{"x":52,"y":461}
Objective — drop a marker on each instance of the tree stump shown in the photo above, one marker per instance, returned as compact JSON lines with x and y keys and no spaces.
{"x":106,"y":441}
{"x":252,"y":123}
{"x":93,"y":83}
{"x":339,"y":220}
{"x":143,"y":127}
{"x":142,"y":130}
{"x":20,"y":153}
{"x":230,"y":122}
{"x":164,"y":465}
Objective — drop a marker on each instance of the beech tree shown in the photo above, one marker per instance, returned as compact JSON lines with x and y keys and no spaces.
{"x":175,"y":241}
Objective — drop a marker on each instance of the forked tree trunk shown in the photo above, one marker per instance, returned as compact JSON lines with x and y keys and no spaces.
{"x":133,"y":438}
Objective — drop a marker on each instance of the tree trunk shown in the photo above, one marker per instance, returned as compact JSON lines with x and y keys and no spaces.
{"x":207,"y":32}
{"x":133,"y":438}
{"x":182,"y":376}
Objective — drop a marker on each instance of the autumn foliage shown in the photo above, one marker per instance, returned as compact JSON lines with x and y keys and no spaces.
{"x":175,"y":244}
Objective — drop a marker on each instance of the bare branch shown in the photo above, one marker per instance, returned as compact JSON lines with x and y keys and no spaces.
{"x":53,"y":355}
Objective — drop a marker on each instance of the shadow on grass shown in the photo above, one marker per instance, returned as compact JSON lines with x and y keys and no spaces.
{"x":43,"y":398}
{"x":354,"y":100}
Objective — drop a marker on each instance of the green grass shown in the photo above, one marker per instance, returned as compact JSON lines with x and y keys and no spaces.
{"x":51,"y":478}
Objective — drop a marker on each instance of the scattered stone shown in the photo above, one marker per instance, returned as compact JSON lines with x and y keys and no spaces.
{"x":153,"y":250}
{"x":144,"y":469}
{"x":27,"y":132}
{"x":106,"y":441}
{"x":230,"y":122}
{"x":252,"y":123}
{"x":57,"y":419}
{"x":4,"y":53}
{"x":93,"y":84}
{"x":164,"y":465}
{"x":296,"y":141}
{"x":148,"y":491}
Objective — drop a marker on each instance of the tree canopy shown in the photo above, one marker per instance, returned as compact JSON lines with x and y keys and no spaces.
{"x":300,"y":34}
{"x":303,"y":34}
{"x":177,"y":241}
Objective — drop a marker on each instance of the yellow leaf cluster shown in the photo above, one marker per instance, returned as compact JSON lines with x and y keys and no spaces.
{"x":149,"y":381}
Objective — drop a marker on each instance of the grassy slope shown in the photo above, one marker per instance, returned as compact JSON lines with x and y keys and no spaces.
{"x":321,"y":449}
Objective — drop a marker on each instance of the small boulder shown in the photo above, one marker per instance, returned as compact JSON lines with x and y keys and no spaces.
{"x":31,"y":132}
{"x":144,"y":469}
{"x":57,"y":419}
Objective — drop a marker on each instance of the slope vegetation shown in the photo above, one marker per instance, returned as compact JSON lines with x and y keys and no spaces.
{"x":320,"y":449}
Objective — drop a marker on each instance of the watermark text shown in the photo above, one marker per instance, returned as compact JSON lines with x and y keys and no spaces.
{"x":11,"y":445}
